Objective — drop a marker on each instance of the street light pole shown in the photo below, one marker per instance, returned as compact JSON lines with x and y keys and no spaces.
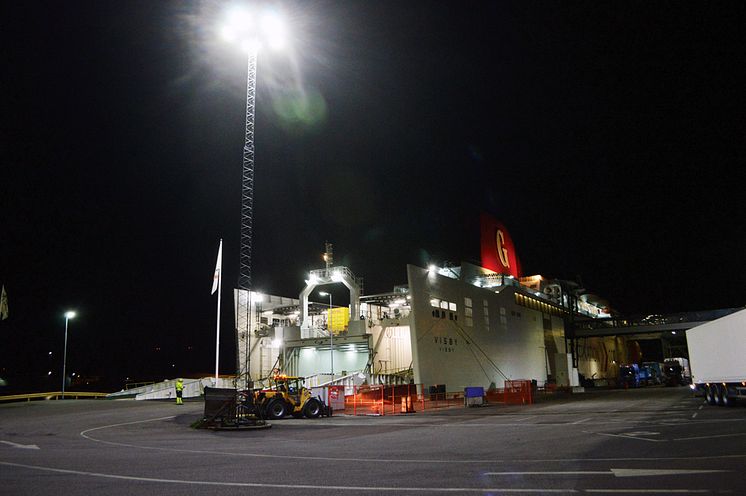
{"x":68,"y":315}
{"x":331,"y":331}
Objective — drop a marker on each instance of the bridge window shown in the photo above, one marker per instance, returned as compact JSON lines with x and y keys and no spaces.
{"x":486,"y":313}
{"x":468,"y":312}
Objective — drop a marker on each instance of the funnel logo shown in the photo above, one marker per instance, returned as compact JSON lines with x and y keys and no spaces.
{"x":498,"y":250}
{"x":502,"y":252}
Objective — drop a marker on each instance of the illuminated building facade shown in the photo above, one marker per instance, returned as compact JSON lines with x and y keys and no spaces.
{"x":459,"y":326}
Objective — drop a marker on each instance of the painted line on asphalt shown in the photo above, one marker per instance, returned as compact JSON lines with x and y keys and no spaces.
{"x":391,"y":460}
{"x":626,"y":436}
{"x":648,"y":491}
{"x":525,"y":418}
{"x":700,"y":407}
{"x":83,"y":433}
{"x":619,"y":472}
{"x":21,"y":446}
{"x":428,"y":490}
{"x":582,"y":420}
{"x":694,"y":415}
{"x":714,"y":436}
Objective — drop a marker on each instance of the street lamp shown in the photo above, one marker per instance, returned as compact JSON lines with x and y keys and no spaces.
{"x":331,"y":332}
{"x":250,"y":31}
{"x":68,"y":315}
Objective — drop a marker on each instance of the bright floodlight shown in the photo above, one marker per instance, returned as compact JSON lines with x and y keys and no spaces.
{"x":239,"y":18}
{"x":250,"y":33}
{"x":273,"y":30}
{"x":228,"y":34}
{"x":250,"y":45}
{"x":69,"y":314}
{"x":323,"y":293}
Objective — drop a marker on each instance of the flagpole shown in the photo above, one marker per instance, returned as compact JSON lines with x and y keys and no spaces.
{"x":217,"y":329}
{"x":219,"y":270}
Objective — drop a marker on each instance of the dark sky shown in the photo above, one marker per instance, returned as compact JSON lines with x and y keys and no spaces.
{"x":607,"y":136}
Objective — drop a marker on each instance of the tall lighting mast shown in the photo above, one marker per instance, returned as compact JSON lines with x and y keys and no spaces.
{"x":251,"y":31}
{"x":247,"y":178}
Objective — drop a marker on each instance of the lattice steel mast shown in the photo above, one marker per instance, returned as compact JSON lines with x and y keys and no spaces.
{"x":247,"y":179}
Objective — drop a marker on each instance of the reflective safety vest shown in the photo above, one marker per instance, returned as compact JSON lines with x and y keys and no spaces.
{"x":179,"y":385}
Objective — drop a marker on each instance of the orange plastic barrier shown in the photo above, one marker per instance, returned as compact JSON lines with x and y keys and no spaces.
{"x":401,"y":399}
{"x":518,"y":392}
{"x":496,"y":395}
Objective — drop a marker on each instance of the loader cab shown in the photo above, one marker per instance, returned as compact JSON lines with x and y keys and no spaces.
{"x":294,"y":387}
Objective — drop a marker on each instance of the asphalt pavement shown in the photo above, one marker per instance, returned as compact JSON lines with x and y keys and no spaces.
{"x":648,"y":441}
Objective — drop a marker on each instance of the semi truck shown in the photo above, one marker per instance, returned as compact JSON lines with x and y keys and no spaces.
{"x":717,"y":357}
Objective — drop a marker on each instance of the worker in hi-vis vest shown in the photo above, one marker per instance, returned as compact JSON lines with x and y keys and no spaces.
{"x":179,"y":389}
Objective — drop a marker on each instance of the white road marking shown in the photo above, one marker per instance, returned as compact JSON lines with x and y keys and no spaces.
{"x":582,"y":420}
{"x":649,"y":491}
{"x":631,"y":435}
{"x":398,"y":460}
{"x":646,"y":472}
{"x":700,"y":407}
{"x":525,"y":418}
{"x":694,"y":414}
{"x":428,"y":490}
{"x":617,"y":472}
{"x":714,"y":436}
{"x":83,"y":433}
{"x":22,"y":446}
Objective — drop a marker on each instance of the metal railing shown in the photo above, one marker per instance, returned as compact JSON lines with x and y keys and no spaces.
{"x":52,"y":395}
{"x":654,"y":320}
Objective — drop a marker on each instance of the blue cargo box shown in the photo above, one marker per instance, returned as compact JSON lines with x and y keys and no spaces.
{"x":473,"y":392}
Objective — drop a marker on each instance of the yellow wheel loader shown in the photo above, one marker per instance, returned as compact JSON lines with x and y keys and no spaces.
{"x":287,"y":395}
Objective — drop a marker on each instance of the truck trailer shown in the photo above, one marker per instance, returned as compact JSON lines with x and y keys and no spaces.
{"x":717,"y":357}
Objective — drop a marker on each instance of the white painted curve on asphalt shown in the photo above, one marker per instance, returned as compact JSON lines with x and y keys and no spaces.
{"x":86,"y":435}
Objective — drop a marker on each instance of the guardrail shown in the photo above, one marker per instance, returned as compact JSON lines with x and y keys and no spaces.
{"x":53,"y":395}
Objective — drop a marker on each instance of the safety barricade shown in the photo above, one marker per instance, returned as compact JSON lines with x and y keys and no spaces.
{"x":400,"y":399}
{"x":382,"y":399}
{"x":518,"y":392}
{"x":495,"y":395}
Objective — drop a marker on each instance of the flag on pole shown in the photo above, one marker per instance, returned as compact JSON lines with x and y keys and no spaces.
{"x":217,"y":284}
{"x":218,"y":267}
{"x":3,"y":304}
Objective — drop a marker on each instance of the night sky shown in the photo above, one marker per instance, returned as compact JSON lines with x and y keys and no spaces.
{"x":607,"y":136}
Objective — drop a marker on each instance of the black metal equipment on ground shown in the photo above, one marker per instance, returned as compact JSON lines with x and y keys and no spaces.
{"x":231,"y":409}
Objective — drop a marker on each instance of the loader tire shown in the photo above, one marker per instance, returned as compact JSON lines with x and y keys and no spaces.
{"x":312,"y":409}
{"x":276,"y":409}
